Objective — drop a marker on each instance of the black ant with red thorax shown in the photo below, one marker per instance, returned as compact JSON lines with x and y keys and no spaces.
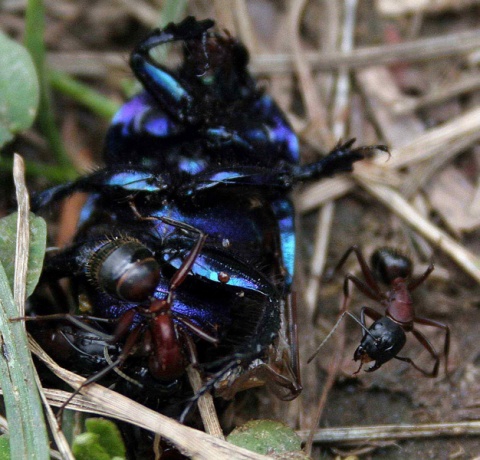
{"x":385,"y":338}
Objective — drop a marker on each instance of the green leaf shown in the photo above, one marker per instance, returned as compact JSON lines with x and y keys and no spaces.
{"x":86,"y":446}
{"x":266,"y":437}
{"x":8,"y":238}
{"x":35,"y":43}
{"x":4,"y":447}
{"x":109,"y":434}
{"x":19,"y":89}
{"x":28,"y":433}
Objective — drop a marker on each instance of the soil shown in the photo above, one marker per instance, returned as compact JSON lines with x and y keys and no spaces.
{"x":91,"y":41}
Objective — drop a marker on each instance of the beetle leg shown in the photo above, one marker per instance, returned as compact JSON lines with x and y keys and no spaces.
{"x":340,"y":159}
{"x":172,"y":93}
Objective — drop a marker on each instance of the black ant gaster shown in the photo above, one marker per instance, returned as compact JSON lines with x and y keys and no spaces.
{"x":385,"y":338}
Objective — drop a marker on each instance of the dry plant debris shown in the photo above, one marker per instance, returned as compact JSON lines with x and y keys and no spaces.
{"x":403,"y":73}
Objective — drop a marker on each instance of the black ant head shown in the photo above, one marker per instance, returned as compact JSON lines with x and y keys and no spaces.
{"x":381,"y":343}
{"x":389,"y":264}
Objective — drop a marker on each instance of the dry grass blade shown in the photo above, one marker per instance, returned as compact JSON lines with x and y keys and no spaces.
{"x":400,"y":8}
{"x":436,"y":140}
{"x":365,"y":434}
{"x":193,"y":443}
{"x":23,"y":236}
{"x":205,"y":405}
{"x":318,"y":261}
{"x":58,"y":436}
{"x":316,"y":114}
{"x":101,"y":63}
{"x":465,"y":84}
{"x":141,"y":10}
{"x":399,"y":206}
{"x":415,"y":50}
{"x":321,"y":192}
{"x":20,"y":282}
{"x":339,"y":129}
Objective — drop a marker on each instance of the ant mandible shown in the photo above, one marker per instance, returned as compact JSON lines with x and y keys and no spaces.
{"x":385,"y":338}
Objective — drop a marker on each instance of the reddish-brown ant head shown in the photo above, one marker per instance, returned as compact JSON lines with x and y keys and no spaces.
{"x":384,"y":340}
{"x":389,"y":264}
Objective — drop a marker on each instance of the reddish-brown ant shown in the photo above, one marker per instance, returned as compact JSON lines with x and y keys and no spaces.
{"x":385,"y":338}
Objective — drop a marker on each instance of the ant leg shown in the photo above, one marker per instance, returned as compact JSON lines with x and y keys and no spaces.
{"x":446,"y":345}
{"x":367,"y":272}
{"x":285,"y":388}
{"x":92,"y":379}
{"x":418,"y":281}
{"x":191,"y":348}
{"x":198,"y":331}
{"x":179,"y":276}
{"x":118,"y":371}
{"x":77,"y":320}
{"x":362,"y":287}
{"x":428,"y":346}
{"x":129,"y":346}
{"x":182,"y":272}
{"x":370,"y":287}
{"x":371,"y":313}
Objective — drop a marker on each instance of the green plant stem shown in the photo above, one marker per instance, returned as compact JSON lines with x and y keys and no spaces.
{"x":34,"y":33}
{"x":54,"y":173}
{"x":84,"y":95}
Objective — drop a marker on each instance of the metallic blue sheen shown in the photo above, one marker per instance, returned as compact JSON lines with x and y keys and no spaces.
{"x":192,"y":167}
{"x":133,"y":180}
{"x":87,"y":209}
{"x":209,"y":267}
{"x":142,"y":115}
{"x":284,"y":211}
{"x":165,"y":81}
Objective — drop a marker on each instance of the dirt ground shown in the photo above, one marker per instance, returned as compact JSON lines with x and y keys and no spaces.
{"x":385,"y":72}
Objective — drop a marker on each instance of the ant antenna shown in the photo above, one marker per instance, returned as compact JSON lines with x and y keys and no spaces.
{"x":334,"y":328}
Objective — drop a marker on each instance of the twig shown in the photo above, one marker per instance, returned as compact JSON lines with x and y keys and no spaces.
{"x":316,"y":114}
{"x":341,"y":103}
{"x":435,"y":141}
{"x":465,"y":84}
{"x":417,"y":50}
{"x":357,"y":434}
{"x":205,"y":405}
{"x":319,"y":193}
{"x":317,"y":264}
{"x":399,"y":206}
{"x":91,"y":63}
{"x":333,"y":368}
{"x":194,"y":443}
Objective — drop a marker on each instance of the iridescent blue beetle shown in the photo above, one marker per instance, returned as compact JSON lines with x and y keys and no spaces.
{"x":187,"y":240}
